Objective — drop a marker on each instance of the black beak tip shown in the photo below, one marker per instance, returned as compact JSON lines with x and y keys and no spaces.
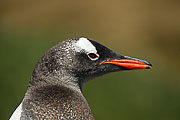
{"x":149,"y":66}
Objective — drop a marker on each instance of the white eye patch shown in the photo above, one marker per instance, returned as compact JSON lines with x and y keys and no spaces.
{"x":85,"y":45}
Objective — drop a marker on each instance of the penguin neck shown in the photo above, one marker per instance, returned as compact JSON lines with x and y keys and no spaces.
{"x":61,"y":98}
{"x":65,"y":80}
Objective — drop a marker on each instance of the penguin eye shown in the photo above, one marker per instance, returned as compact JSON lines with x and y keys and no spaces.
{"x":93,"y":56}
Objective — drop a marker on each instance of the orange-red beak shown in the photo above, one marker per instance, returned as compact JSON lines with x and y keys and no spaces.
{"x":129,"y":64}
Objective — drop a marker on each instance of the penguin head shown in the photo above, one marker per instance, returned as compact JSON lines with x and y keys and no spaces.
{"x":94,"y":60}
{"x":85,"y":59}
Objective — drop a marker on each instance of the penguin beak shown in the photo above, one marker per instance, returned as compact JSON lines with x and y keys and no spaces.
{"x":130,"y":63}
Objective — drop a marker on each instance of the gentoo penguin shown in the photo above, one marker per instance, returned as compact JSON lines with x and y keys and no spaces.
{"x":55,"y":87}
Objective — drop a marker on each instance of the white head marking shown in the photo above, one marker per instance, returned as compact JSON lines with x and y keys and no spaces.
{"x":86,"y":45}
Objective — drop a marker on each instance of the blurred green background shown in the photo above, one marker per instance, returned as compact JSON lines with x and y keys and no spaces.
{"x":146,"y":29}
